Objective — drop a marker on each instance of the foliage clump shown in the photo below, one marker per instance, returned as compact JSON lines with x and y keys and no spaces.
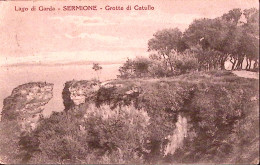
{"x":206,"y":45}
{"x":102,"y":135}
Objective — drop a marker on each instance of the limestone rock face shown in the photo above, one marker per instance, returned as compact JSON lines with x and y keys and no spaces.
{"x":26,"y":103}
{"x":179,"y":133}
{"x":76,"y":92}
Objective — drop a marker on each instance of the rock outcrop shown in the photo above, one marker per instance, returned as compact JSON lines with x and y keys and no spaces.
{"x":26,"y":103}
{"x":179,"y":133}
{"x":77,"y":92}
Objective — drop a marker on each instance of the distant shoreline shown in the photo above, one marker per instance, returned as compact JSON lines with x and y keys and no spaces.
{"x":61,"y":64}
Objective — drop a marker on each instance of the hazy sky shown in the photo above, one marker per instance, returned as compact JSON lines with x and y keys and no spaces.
{"x":96,"y":35}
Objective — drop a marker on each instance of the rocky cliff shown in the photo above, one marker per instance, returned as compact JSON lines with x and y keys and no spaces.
{"x":76,"y":92}
{"x":184,"y":111}
{"x":26,"y":103}
{"x":113,"y":93}
{"x":203,"y":117}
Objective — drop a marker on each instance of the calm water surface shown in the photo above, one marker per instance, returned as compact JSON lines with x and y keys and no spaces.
{"x":11,"y":77}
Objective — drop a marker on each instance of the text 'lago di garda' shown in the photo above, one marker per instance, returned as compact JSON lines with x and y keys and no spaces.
{"x":84,"y":8}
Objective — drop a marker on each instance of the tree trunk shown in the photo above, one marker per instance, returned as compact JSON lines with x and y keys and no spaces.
{"x":233,"y":63}
{"x":170,"y":63}
{"x":222,"y":62}
{"x":210,"y":66}
{"x":171,"y":66}
{"x":239,"y":63}
{"x":247,"y":63}
{"x":199,"y":69}
{"x":250,"y":62}
{"x":222,"y":65}
{"x":164,"y":59}
{"x":215,"y":66}
{"x":255,"y":64}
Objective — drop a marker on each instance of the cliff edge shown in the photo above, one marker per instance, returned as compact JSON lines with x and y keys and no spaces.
{"x":76,"y":92}
{"x":26,"y":103}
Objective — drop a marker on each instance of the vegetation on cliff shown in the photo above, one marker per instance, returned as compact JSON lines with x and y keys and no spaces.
{"x":204,"y":117}
{"x":20,"y":115}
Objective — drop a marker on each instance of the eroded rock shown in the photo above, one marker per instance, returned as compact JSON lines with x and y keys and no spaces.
{"x":179,"y":133}
{"x":76,"y":92}
{"x":26,"y":103}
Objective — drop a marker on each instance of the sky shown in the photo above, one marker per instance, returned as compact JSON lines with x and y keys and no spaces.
{"x":102,"y":35}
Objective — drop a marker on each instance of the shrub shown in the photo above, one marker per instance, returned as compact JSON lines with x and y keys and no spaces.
{"x":9,"y":142}
{"x":135,"y":68}
{"x":184,"y":62}
{"x":155,"y":66}
{"x":121,"y":130}
{"x":97,"y":137}
{"x":158,"y":69}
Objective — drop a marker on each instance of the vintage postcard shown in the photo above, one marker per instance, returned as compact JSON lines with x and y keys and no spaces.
{"x":129,"y":82}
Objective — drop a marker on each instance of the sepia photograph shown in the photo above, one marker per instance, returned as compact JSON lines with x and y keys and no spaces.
{"x":129,"y":82}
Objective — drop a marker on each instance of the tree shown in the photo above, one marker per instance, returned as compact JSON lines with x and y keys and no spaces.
{"x":206,"y":34}
{"x":141,"y":66}
{"x":127,"y":70}
{"x":219,"y":35}
{"x":231,"y":44}
{"x":97,"y":68}
{"x":245,"y":40}
{"x":166,"y":41}
{"x":138,"y":67}
{"x":226,"y":36}
{"x":184,"y":62}
{"x":250,"y":41}
{"x":233,"y":16}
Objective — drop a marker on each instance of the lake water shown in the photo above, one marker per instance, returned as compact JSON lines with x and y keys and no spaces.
{"x":11,"y":77}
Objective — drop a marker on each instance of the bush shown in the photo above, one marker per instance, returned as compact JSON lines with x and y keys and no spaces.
{"x":121,"y":130}
{"x":135,"y":68}
{"x":158,"y":69}
{"x":9,"y":142}
{"x":184,"y":62}
{"x":95,"y":138}
{"x":58,"y":139}
{"x":155,"y":66}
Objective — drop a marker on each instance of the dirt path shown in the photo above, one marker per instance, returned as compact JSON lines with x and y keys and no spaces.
{"x":246,"y":74}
